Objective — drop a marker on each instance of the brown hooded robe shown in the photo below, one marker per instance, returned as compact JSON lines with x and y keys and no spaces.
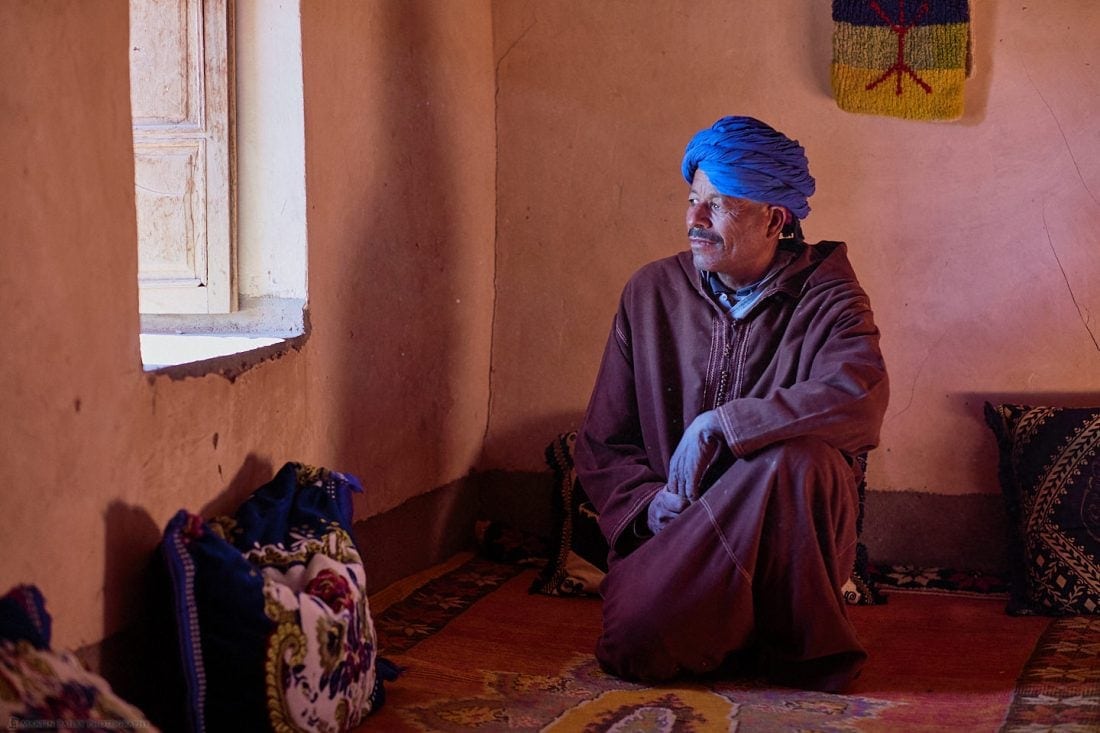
{"x":755,"y":566}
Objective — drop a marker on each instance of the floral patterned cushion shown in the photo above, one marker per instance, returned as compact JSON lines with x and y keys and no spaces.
{"x":271,"y":607}
{"x":43,"y":688}
{"x":1050,"y":477}
{"x":578,"y":559}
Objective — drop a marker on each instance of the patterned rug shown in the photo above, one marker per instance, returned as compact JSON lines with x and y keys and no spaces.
{"x":480,"y":653}
{"x":1060,"y":686}
{"x":889,"y":578}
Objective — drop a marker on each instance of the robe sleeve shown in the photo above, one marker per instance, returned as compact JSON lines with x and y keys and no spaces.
{"x":611,"y":459}
{"x":842,"y":392}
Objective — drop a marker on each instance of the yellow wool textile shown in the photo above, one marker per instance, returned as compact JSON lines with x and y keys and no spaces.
{"x":901,"y":58}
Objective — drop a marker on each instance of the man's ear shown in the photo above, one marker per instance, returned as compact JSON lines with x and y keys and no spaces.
{"x":779,"y":216}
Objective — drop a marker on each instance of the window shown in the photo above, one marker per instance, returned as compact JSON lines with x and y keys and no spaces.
{"x":219,"y":175}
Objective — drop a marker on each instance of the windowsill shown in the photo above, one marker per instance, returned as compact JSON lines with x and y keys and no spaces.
{"x":196,"y":361}
{"x":230,"y":343}
{"x":160,"y":350}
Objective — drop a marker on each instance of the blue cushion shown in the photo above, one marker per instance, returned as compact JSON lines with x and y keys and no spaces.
{"x":271,"y":609}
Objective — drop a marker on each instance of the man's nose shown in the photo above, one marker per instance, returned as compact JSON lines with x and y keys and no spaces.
{"x":698,"y":216}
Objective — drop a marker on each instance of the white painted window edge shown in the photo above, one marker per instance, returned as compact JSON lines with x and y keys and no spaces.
{"x":159,"y":351}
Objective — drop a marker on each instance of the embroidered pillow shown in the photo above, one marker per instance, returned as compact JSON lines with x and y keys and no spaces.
{"x":271,"y":607}
{"x":1050,"y":478}
{"x":42,"y":685}
{"x":578,"y":559}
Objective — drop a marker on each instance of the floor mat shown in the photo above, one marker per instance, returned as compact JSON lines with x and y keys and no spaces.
{"x":481,"y":653}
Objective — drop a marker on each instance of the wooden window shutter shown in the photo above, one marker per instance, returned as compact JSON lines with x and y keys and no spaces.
{"x":180,"y":84}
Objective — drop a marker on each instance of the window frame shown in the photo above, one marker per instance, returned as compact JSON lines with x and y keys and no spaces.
{"x":268,"y":196}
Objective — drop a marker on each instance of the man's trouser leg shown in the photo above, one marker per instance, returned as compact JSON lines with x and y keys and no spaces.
{"x":758,"y":563}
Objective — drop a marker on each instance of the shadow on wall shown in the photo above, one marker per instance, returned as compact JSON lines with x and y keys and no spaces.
{"x":531,"y":434}
{"x":423,"y":531}
{"x":817,"y":30}
{"x":253,"y":473}
{"x":522,"y":499}
{"x":142,"y":661}
{"x":403,"y":336}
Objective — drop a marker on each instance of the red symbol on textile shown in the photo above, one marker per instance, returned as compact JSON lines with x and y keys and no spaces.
{"x":901,"y":28}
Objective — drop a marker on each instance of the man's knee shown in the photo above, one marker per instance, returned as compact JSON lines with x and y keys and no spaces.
{"x":805,"y":455}
{"x":808,"y":469}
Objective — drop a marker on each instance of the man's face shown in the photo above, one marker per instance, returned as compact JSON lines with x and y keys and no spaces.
{"x":732,"y":237}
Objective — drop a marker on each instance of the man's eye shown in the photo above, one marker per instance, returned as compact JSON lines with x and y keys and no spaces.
{"x":715,"y":206}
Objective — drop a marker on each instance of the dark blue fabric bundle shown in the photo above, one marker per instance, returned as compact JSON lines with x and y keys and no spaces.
{"x":23,"y":616}
{"x":271,"y":610}
{"x":746,"y":158}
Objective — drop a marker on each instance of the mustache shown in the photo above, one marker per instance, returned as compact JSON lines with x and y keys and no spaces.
{"x":700,"y":233}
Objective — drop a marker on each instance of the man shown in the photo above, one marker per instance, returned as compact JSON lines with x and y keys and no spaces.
{"x":740,"y":381}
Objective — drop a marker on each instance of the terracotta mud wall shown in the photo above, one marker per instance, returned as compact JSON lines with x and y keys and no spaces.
{"x":978,"y":240}
{"x":392,"y":383}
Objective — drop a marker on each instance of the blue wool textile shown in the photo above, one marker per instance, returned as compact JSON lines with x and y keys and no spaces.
{"x":860,"y":12}
{"x":745,"y":158}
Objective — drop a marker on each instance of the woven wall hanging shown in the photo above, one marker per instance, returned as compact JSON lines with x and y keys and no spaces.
{"x":903,"y":58}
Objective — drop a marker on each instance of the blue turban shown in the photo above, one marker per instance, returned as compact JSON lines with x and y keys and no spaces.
{"x":746,"y":158}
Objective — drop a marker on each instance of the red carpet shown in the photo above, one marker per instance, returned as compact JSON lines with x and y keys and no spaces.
{"x":480,"y":653}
